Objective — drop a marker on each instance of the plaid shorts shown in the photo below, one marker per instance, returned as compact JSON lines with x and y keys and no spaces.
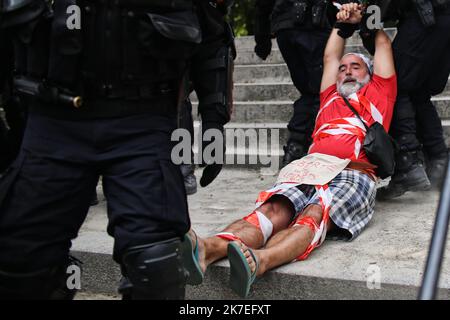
{"x":352,"y":204}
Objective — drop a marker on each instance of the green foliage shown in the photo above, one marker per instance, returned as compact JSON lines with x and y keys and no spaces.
{"x":242,"y":17}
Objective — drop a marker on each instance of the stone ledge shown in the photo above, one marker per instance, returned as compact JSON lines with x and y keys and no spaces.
{"x":396,"y":241}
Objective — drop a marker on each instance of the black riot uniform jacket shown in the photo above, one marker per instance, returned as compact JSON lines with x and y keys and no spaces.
{"x":211,"y":17}
{"x":118,"y":57}
{"x":425,"y":10}
{"x":11,"y":131}
{"x":288,"y":14}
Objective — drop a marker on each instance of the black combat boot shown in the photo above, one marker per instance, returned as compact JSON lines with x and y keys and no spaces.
{"x":436,"y":166}
{"x":410,"y":175}
{"x":293,"y":151}
{"x":190,"y":182}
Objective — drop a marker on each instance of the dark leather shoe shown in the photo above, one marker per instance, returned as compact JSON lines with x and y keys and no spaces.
{"x":292,"y":151}
{"x":190,"y":182}
{"x":415,"y":179}
{"x":436,"y":170}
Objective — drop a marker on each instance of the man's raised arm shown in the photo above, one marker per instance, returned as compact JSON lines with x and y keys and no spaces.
{"x":347,"y":18}
{"x":333,"y":54}
{"x":383,"y":62}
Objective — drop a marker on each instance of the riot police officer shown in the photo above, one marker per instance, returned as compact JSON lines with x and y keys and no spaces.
{"x":3,"y":143}
{"x":422,"y":56}
{"x":186,"y":121}
{"x":12,"y":130}
{"x":103,"y":98}
{"x":301,"y":28}
{"x":211,"y":75}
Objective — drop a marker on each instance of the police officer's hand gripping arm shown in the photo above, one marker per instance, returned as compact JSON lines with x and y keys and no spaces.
{"x":212,"y":76}
{"x":349,"y":15}
{"x":263,"y":35}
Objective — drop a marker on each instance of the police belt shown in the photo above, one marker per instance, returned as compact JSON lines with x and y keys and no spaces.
{"x":441,"y":4}
{"x":441,"y":8}
{"x":106,"y":101}
{"x":129,"y":91}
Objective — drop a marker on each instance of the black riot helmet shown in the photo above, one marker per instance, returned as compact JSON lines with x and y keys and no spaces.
{"x":17,"y":12}
{"x":12,"y":5}
{"x":224,"y":5}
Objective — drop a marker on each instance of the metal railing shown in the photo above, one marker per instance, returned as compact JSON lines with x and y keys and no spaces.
{"x":430,"y":280}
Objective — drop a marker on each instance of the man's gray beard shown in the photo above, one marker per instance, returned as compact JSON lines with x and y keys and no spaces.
{"x":349,"y":88}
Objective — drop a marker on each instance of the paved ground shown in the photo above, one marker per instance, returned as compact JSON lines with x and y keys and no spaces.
{"x":395,"y":242}
{"x":95,"y":296}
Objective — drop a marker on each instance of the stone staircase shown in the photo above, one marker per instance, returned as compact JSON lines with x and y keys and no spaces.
{"x":395,"y":243}
{"x":264,"y":94}
{"x":385,"y":262}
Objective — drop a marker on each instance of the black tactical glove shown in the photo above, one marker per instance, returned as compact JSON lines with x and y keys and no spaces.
{"x":263,"y":46}
{"x":346,"y":30}
{"x":367,"y":35}
{"x":212,"y":169}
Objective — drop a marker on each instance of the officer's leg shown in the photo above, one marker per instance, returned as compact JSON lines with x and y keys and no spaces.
{"x":297,"y":142}
{"x":187,"y":169}
{"x":409,"y":173}
{"x":147,"y":208}
{"x":12,"y":138}
{"x":3,"y":146}
{"x":430,"y":126}
{"x":410,"y":53}
{"x":313,"y":57}
{"x":44,"y":198}
{"x":428,"y":120}
{"x":303,"y":52}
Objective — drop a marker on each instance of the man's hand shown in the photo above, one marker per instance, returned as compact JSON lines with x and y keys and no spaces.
{"x":263,"y":47}
{"x":350,"y":13}
{"x":348,"y":19}
{"x":212,"y":170}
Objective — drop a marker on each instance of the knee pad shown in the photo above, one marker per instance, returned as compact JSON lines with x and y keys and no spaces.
{"x":45,"y":284}
{"x":155,"y":271}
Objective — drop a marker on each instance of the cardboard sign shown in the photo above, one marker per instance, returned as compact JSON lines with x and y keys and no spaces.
{"x":313,"y":169}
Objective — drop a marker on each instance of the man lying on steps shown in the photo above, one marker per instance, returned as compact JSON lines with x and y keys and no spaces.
{"x":331,"y":190}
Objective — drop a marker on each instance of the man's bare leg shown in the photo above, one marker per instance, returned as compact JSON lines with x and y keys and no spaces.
{"x":278,"y":210}
{"x":285,"y":246}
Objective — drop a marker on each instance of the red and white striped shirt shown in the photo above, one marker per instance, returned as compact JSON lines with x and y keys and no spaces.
{"x":338,"y":132}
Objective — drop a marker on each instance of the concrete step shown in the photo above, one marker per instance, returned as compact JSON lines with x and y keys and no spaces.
{"x":248,"y":42}
{"x":248,"y":56}
{"x":395,"y":244}
{"x":260,"y":145}
{"x":442,"y":104}
{"x":278,"y":91}
{"x":281,"y":111}
{"x":280,"y":128}
{"x":258,"y":73}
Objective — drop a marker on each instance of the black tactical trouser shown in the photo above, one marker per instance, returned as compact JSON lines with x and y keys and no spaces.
{"x":422,"y":59}
{"x":3,"y":146}
{"x":303,"y":52}
{"x":186,"y":121}
{"x":46,"y":193}
{"x":11,"y":139}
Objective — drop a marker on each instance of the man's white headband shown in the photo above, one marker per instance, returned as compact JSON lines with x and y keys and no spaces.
{"x":364,"y":58}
